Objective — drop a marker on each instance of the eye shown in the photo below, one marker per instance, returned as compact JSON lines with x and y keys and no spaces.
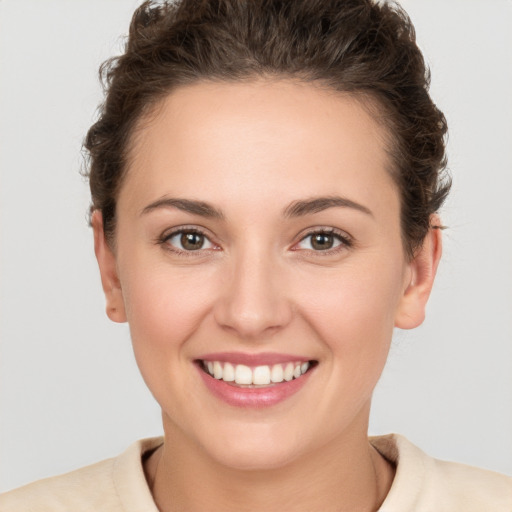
{"x":324,"y":241}
{"x":188,"y":240}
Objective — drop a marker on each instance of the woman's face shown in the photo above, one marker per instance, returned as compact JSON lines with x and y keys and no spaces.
{"x":258,"y":229}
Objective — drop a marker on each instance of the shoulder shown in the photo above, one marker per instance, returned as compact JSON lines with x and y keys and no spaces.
{"x":105,"y":486}
{"x":423,"y":483}
{"x":88,"y":488}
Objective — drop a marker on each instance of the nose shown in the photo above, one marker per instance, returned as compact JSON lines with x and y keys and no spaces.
{"x":253,"y":304}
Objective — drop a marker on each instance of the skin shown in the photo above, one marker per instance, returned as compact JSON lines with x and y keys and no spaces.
{"x":250,"y":150}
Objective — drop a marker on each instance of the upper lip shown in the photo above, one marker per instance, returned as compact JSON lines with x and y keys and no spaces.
{"x":264,"y":358}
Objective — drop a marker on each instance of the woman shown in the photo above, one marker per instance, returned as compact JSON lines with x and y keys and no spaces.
{"x":265,"y":182}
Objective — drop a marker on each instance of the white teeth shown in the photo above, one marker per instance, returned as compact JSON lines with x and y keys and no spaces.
{"x":217,"y":370}
{"x":288,"y":372}
{"x":243,"y":374}
{"x":228,"y":374}
{"x":276,"y":375}
{"x":262,"y":375}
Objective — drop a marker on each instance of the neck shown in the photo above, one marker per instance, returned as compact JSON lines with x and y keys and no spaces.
{"x":346,"y":474}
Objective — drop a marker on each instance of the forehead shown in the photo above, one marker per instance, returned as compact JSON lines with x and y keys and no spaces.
{"x":223,"y":141}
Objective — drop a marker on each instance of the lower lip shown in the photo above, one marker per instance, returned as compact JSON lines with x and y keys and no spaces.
{"x":253,"y":397}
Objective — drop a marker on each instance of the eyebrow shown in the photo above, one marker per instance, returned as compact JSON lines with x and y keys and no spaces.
{"x":318,"y":204}
{"x":298,"y":208}
{"x":187,"y":205}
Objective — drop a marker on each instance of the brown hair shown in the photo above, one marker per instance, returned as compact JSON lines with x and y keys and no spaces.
{"x":355,"y":46}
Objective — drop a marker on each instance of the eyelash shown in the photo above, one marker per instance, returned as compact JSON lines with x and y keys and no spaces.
{"x":164,"y":240}
{"x":345,"y":240}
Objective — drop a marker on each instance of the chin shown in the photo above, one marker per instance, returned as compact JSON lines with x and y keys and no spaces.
{"x":258,"y":458}
{"x":258,"y":451}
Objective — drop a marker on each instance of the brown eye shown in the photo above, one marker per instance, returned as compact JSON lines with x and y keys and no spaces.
{"x":322,"y":241}
{"x":192,"y":241}
{"x":188,"y":241}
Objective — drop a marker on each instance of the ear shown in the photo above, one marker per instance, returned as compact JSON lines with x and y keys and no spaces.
{"x":421,"y":273}
{"x":108,"y":271}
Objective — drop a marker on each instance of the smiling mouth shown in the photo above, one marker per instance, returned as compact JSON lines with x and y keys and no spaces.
{"x":241,"y":375}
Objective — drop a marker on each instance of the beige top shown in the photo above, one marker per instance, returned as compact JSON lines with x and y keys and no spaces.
{"x":421,"y":484}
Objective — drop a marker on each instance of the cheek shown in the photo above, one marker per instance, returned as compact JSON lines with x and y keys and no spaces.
{"x":164,"y":311}
{"x":164,"y":308}
{"x":352,"y":311}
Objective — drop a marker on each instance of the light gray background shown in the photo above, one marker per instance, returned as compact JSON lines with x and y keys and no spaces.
{"x":70,"y":391}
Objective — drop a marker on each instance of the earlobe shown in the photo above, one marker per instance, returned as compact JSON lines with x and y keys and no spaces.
{"x":108,"y":270}
{"x":422,"y":272}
